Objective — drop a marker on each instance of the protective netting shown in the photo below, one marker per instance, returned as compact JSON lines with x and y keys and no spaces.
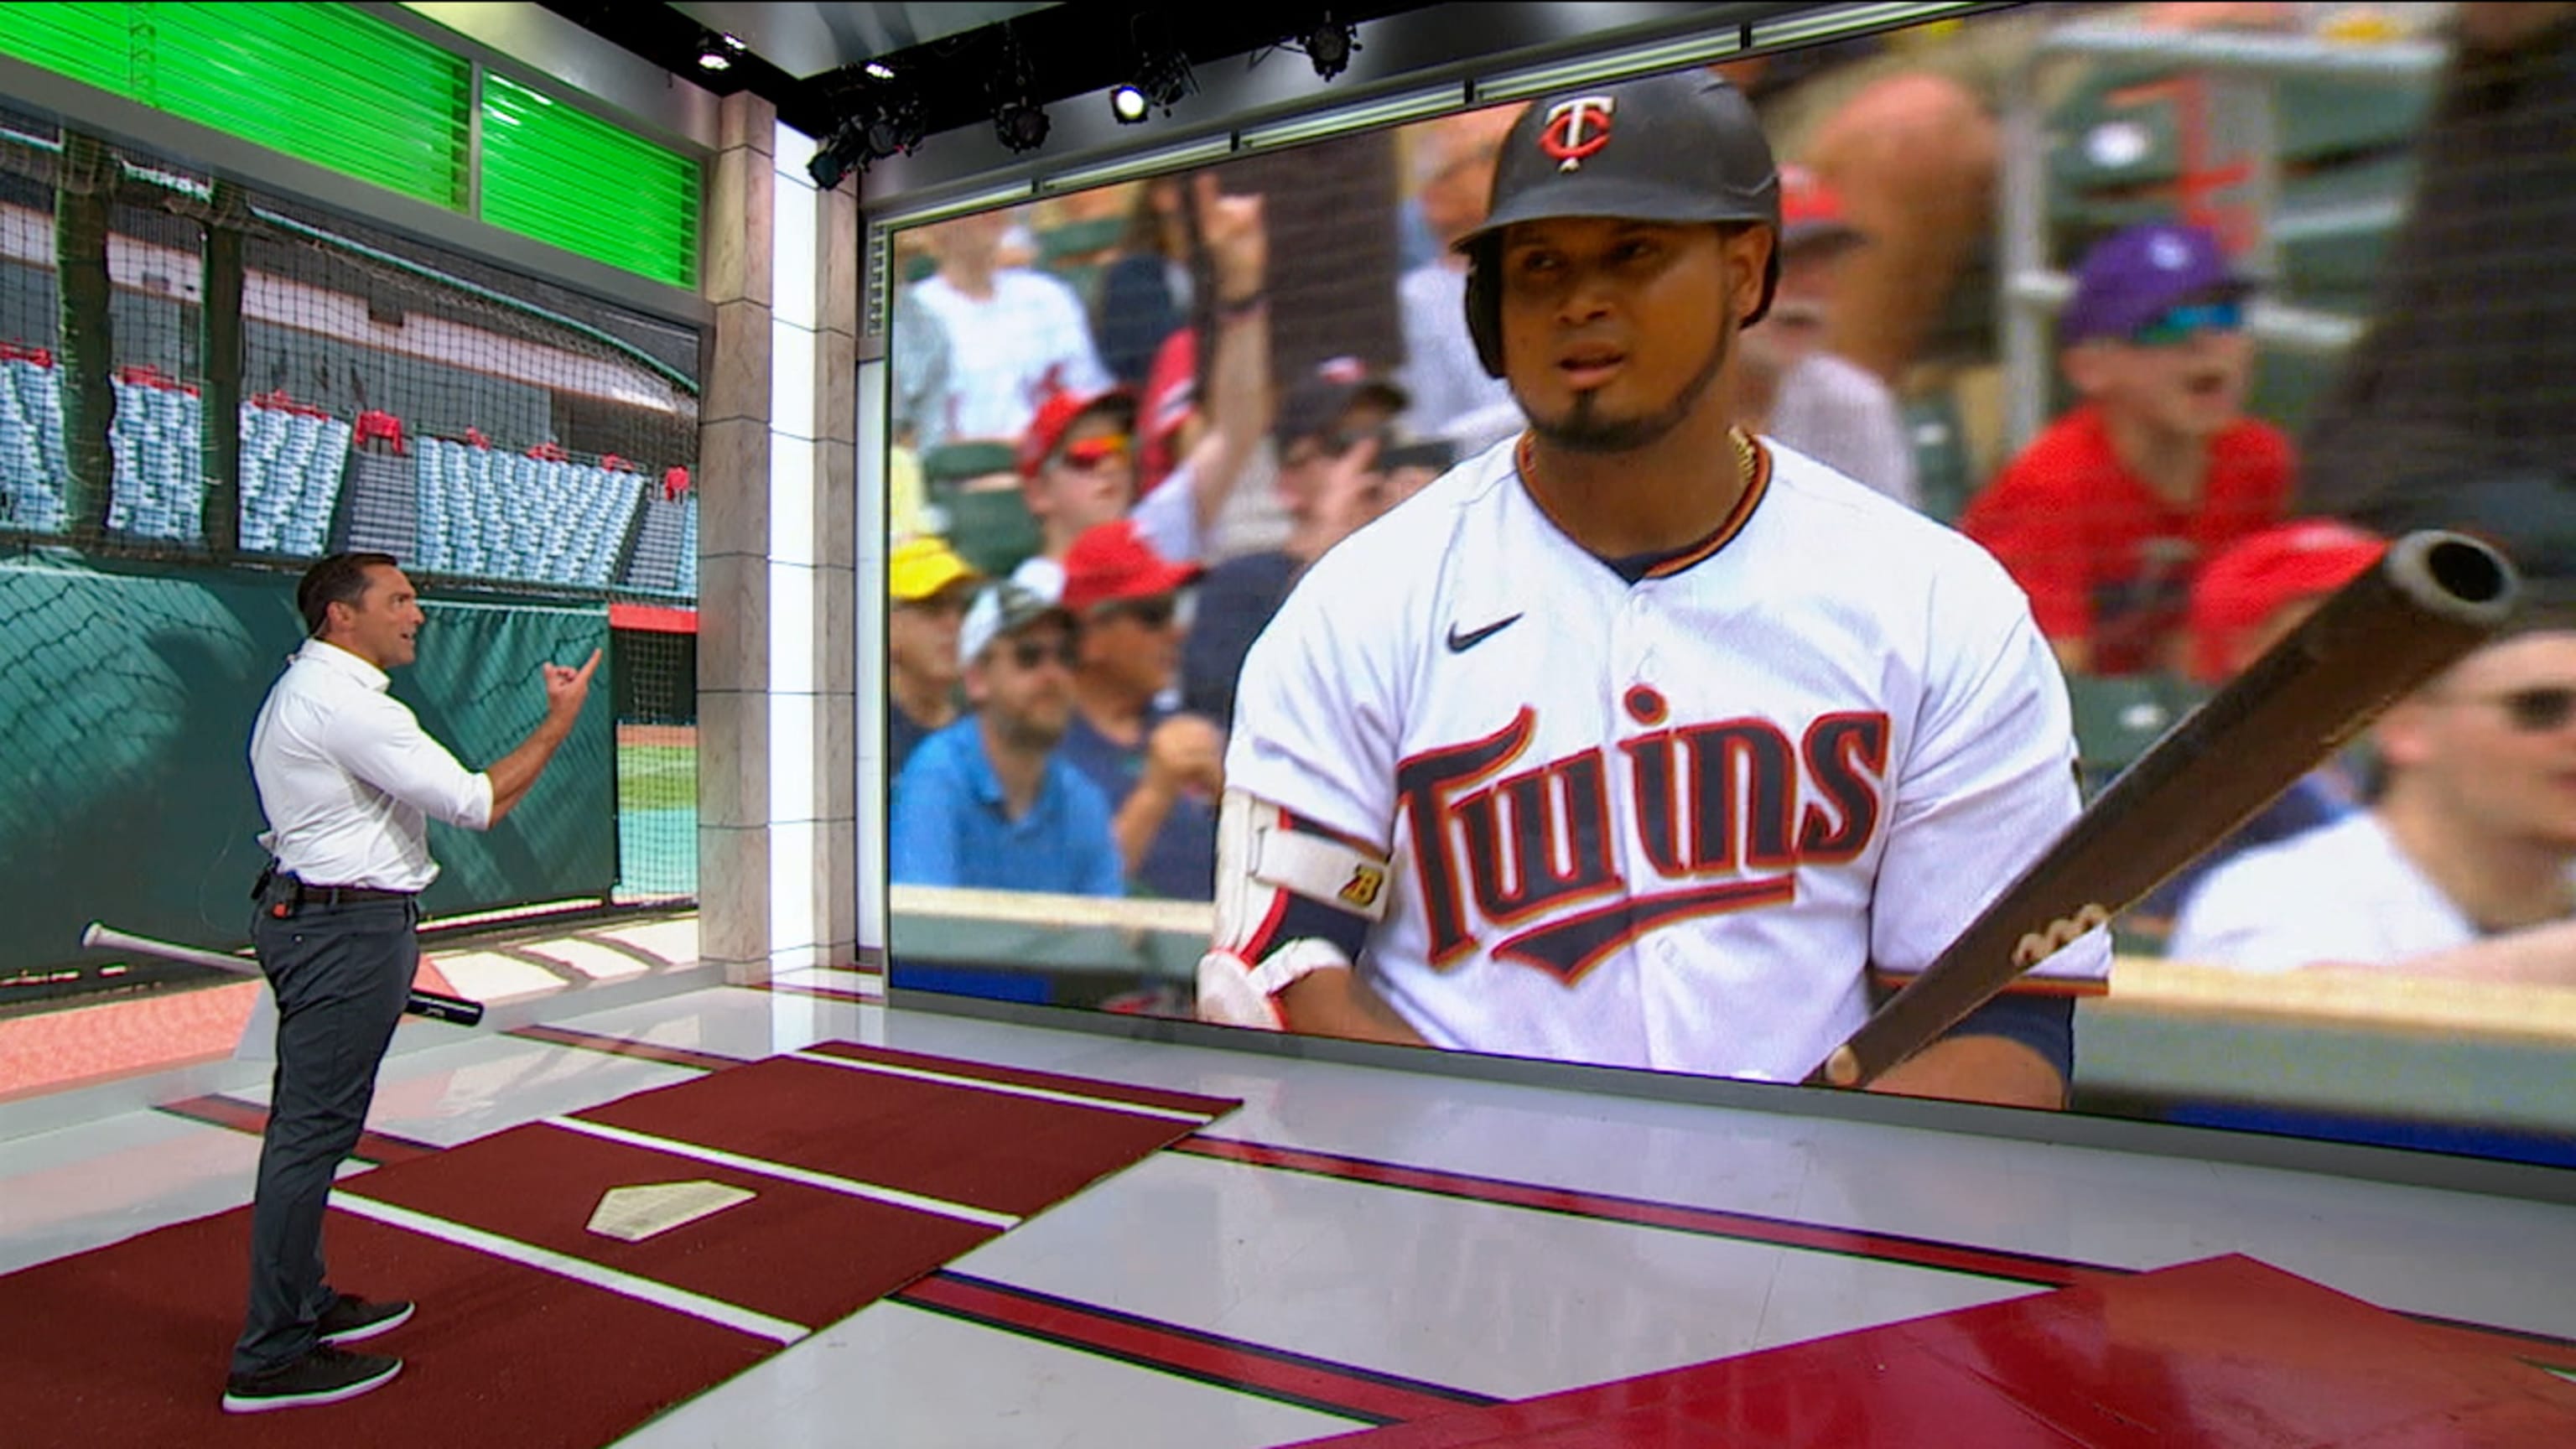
{"x":204,"y":387}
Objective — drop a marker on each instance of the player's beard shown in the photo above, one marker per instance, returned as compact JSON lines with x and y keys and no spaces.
{"x":1582,"y":430}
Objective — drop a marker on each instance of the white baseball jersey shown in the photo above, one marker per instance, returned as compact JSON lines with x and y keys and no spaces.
{"x":1678,"y":823}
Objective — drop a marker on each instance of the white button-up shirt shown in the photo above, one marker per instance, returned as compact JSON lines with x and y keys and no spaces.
{"x":348,"y":780}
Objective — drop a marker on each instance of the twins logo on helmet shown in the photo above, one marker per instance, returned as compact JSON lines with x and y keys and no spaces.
{"x":1577,"y":129}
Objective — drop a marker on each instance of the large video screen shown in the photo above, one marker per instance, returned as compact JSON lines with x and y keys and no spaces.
{"x":1480,"y":584}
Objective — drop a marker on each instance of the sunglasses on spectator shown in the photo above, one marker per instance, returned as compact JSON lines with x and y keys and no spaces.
{"x":2536,"y":710}
{"x":1032,"y":653}
{"x":1153,"y":613}
{"x":1091,"y":454}
{"x":2181,"y":324}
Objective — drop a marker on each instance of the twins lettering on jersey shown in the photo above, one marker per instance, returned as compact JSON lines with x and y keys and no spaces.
{"x":1715,"y":807}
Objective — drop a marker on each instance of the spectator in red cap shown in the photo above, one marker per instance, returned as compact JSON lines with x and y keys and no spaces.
{"x":2258,"y":589}
{"x":1160,"y":770}
{"x":2247,"y":599}
{"x":1794,"y":390}
{"x":2105,"y":517}
{"x":1078,"y":456}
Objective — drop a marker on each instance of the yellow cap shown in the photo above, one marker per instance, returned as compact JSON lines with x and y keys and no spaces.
{"x":921,"y":567}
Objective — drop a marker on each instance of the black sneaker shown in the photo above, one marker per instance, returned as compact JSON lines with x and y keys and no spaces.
{"x":351,"y":1318}
{"x":325,"y":1376}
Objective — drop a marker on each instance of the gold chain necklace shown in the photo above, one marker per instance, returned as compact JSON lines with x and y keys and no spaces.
{"x":1526,"y":456}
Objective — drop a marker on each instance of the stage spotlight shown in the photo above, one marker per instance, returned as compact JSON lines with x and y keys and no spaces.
{"x":834,"y":158}
{"x":1018,"y":117}
{"x":718,"y":52}
{"x":1329,"y":45}
{"x":1162,"y":78}
{"x":1021,"y":123}
{"x":888,"y":123}
{"x":894,"y":127}
{"x":879,"y":70}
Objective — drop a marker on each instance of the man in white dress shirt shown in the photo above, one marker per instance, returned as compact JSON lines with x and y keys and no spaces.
{"x":2462,"y":864}
{"x":347,"y":780}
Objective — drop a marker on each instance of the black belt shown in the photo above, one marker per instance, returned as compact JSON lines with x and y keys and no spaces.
{"x":294,"y":894}
{"x":331,"y":895}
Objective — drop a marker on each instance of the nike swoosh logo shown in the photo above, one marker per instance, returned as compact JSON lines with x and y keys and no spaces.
{"x":1461,"y":643}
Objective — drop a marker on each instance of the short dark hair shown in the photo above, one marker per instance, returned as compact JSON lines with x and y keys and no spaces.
{"x":340,"y":578}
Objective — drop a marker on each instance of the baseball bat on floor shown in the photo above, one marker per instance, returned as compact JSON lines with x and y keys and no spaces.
{"x":453,"y":1009}
{"x":2433,"y":597}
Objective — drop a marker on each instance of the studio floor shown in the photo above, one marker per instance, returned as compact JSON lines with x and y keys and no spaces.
{"x":1352,"y":1247}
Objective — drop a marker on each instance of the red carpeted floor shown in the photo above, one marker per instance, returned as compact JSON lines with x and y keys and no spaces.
{"x":127,"y":1344}
{"x":2223,"y":1354}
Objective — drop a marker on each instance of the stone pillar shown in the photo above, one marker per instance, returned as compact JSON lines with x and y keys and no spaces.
{"x":813,"y":560}
{"x":842,"y":529}
{"x":734,"y":536}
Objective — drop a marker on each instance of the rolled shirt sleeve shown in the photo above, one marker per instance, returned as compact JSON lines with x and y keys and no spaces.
{"x":380,"y":742}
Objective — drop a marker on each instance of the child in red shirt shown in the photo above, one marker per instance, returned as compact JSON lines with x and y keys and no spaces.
{"x":2105,"y":517}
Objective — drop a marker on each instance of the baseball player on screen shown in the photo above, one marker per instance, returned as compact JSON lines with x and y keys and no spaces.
{"x":1636,"y":740}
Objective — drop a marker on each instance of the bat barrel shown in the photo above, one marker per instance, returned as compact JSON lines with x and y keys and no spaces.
{"x":2452,"y":574}
{"x":2434,"y":597}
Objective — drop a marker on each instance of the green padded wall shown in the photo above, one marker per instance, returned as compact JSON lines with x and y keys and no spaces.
{"x":126,"y":702}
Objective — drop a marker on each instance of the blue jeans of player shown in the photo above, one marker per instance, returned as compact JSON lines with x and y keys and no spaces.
{"x":341,"y":974}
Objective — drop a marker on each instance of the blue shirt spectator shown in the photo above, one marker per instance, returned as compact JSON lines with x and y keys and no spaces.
{"x":951,"y":827}
{"x":989,"y":802}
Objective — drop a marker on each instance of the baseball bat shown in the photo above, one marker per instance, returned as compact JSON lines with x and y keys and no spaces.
{"x":2433,"y":597}
{"x":454,"y":1009}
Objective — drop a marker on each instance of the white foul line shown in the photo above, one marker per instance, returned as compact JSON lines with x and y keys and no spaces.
{"x":580,"y":1270}
{"x":788,"y":1172}
{"x":1013,"y":1089}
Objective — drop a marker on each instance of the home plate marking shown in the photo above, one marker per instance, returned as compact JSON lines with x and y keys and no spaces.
{"x":636,"y":1213}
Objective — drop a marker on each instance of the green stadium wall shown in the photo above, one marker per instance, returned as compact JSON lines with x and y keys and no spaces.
{"x":127,"y":694}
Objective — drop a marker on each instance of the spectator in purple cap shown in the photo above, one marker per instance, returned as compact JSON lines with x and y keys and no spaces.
{"x":2103,"y":519}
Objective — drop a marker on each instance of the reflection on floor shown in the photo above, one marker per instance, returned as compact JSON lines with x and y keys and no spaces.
{"x":511,"y":971}
{"x":1352,"y":1247}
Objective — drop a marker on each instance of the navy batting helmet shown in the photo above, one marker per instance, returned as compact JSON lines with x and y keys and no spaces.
{"x":1683,"y":147}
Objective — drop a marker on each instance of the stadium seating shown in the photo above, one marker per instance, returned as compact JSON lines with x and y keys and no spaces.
{"x":292,"y":464}
{"x":1943,"y":474}
{"x":665,"y":560}
{"x":688,"y":582}
{"x":160,"y":487}
{"x":2118,"y":717}
{"x":492,"y":514}
{"x":2120,"y":141}
{"x":31,"y":443}
{"x":292,"y":461}
{"x":482,"y":512}
{"x":975,"y":488}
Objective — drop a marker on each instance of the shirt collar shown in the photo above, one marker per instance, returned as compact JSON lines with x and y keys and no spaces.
{"x":334,"y":657}
{"x":979,"y":768}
